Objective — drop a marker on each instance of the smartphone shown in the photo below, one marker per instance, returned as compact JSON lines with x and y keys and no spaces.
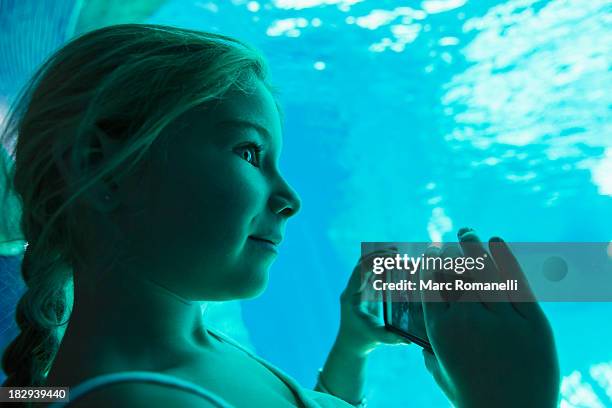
{"x":403,"y":312}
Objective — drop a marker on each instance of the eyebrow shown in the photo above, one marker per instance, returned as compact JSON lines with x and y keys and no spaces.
{"x":248,"y":124}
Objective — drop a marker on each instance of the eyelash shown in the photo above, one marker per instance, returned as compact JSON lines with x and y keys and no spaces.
{"x":257,"y":148}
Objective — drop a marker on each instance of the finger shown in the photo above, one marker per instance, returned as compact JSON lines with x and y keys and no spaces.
{"x":358,"y":279}
{"x":451,"y":250}
{"x":366,"y":290}
{"x":381,"y":333}
{"x":426,"y":272}
{"x":462,"y":303}
{"x":473,"y":248}
{"x":368,"y":303}
{"x":379,"y":252}
{"x":523,"y":300}
{"x":434,"y":306}
{"x":432,"y":365}
{"x":367,"y":317}
{"x":431,"y":362}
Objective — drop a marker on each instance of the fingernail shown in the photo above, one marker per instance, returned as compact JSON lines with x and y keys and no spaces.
{"x":469,"y":236}
{"x":463,"y":230}
{"x":431,"y":251}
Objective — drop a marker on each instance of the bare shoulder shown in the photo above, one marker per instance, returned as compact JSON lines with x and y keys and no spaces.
{"x":141,"y":395}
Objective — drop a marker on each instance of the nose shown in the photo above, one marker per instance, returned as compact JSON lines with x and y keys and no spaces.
{"x":285,"y":200}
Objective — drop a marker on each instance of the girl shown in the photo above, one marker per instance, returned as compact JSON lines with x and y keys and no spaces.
{"x":147,"y":163}
{"x":147,"y":168}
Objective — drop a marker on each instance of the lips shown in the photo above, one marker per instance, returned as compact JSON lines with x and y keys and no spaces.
{"x":274,"y":240}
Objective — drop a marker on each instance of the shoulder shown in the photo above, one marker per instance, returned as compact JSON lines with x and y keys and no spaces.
{"x":141,"y":395}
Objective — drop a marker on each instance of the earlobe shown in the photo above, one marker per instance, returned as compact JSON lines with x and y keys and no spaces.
{"x":103,"y":195}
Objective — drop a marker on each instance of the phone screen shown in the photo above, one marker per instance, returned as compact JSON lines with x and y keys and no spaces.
{"x":403,"y":312}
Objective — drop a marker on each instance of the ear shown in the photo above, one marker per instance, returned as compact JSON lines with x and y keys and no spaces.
{"x":102,"y":195}
{"x":104,"y":145}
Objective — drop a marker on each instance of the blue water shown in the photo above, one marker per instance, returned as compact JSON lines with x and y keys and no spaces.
{"x":406,"y":120}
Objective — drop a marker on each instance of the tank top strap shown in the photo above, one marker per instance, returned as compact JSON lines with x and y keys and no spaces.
{"x":302,"y":397}
{"x":141,"y":376}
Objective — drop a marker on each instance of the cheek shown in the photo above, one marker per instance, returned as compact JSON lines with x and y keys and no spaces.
{"x":199,"y":211}
{"x":212,"y":226}
{"x":211,"y":207}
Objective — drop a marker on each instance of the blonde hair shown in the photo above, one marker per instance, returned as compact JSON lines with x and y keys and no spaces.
{"x":131,"y":81}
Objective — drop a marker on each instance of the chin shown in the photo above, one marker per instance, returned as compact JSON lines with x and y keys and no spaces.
{"x":258,"y":290}
{"x":251,"y":286}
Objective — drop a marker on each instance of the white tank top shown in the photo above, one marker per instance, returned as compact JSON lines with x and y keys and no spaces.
{"x":306,"y":397}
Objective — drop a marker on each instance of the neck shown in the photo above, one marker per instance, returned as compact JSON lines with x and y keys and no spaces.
{"x":133,"y":322}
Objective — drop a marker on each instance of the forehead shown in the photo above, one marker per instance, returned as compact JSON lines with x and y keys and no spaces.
{"x":253,"y":103}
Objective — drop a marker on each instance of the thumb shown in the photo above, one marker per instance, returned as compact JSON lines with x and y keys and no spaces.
{"x":433,"y":366}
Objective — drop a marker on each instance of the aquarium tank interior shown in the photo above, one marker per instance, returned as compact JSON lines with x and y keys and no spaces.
{"x":403,"y":121}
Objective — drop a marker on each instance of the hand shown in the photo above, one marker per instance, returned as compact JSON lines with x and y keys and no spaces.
{"x":360,"y":332}
{"x":492,"y":354}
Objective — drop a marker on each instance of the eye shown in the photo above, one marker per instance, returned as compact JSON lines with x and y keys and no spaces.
{"x":251,"y":152}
